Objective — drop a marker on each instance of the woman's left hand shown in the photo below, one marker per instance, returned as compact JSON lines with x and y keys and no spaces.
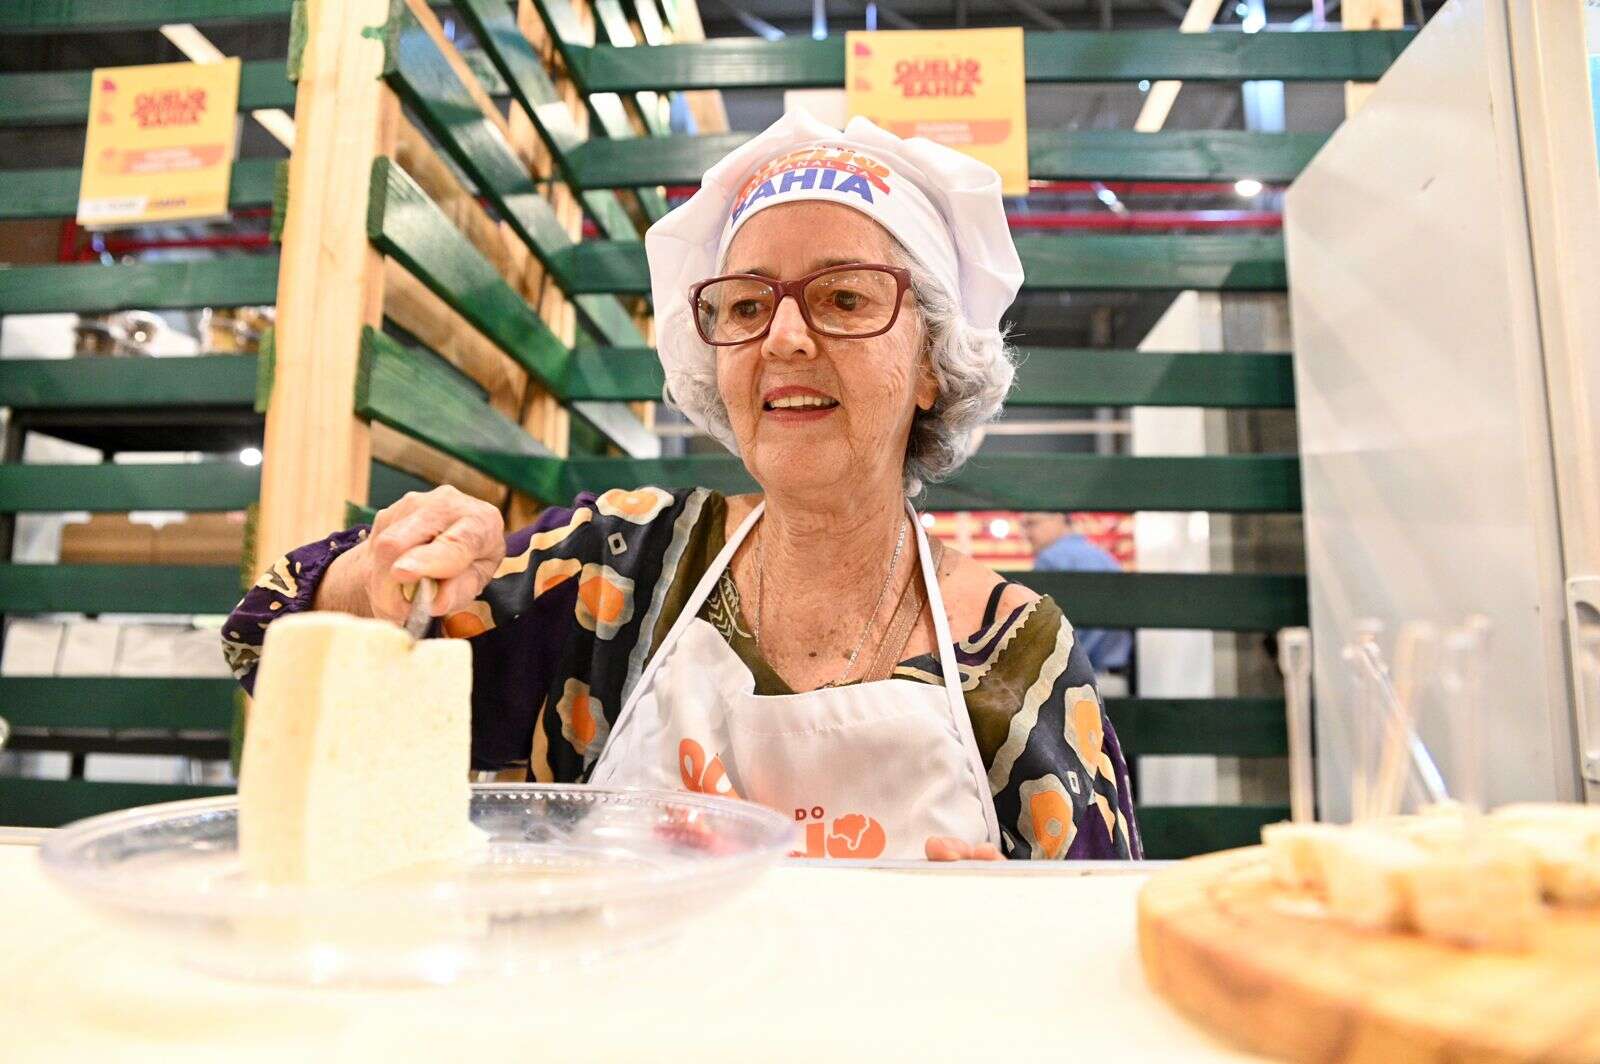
{"x":950,"y":848}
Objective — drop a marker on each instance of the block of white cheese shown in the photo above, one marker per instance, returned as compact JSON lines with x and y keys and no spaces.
{"x":357,"y":752}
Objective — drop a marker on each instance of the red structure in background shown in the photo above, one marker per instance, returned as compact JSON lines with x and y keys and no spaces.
{"x":996,"y":537}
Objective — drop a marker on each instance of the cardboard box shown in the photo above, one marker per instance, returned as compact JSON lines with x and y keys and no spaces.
{"x":31,"y":647}
{"x":171,"y":650}
{"x":89,"y":648}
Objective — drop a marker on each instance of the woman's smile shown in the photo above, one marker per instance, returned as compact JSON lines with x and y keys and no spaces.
{"x":794,"y":403}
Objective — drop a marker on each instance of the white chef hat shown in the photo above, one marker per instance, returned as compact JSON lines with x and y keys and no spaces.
{"x":942,"y":206}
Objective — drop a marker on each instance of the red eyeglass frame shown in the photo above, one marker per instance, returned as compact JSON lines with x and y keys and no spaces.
{"x":796,"y":288}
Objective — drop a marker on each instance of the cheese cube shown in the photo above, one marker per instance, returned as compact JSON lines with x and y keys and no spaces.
{"x":1364,"y":870}
{"x":1295,"y":853}
{"x":1483,"y":892}
{"x":357,"y":753}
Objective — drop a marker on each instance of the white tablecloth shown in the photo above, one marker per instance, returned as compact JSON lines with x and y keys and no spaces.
{"x":815,"y":963}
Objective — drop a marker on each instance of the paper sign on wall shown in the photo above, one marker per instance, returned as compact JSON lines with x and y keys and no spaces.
{"x":160,"y":143}
{"x":963,"y":88}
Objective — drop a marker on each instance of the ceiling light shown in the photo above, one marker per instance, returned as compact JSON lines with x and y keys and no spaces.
{"x":1248,"y":187}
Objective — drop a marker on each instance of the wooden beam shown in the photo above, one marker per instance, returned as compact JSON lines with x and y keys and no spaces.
{"x":1362,"y":15}
{"x":707,"y":107}
{"x":318,"y":452}
{"x":1054,"y":57}
{"x":409,"y":304}
{"x":413,"y":394}
{"x":1163,"y":94}
{"x":419,"y":159}
{"x":120,"y":16}
{"x":233,"y":281}
{"x":116,"y":702}
{"x":411,"y":455}
{"x":544,"y":418}
{"x":117,"y":487}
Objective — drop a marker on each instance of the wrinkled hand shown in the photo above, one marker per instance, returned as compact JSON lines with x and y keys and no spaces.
{"x":949,"y":848}
{"x":446,"y":534}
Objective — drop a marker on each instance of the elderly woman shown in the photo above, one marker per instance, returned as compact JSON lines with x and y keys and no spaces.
{"x":828,"y":308}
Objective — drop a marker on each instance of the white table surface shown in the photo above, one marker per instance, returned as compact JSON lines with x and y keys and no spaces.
{"x":815,"y":963}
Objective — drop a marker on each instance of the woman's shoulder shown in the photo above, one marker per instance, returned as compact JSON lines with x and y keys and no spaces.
{"x":968,"y":587}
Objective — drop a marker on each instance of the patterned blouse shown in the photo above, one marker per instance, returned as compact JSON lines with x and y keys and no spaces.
{"x":563,"y":631}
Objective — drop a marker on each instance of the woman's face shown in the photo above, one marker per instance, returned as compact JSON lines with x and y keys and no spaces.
{"x":870,"y":388}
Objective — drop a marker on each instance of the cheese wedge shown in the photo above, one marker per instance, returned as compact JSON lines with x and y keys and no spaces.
{"x":357,"y":754}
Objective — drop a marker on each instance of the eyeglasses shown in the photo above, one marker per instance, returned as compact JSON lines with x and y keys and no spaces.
{"x":850,"y":302}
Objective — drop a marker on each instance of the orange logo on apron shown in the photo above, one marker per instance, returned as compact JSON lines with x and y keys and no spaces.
{"x":853,"y":835}
{"x":700,"y":777}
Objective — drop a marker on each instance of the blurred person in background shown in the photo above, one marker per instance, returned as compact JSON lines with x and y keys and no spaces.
{"x":1058,"y":546}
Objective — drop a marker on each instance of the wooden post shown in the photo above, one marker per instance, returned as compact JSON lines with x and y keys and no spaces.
{"x":1368,"y":15}
{"x":330,"y":281}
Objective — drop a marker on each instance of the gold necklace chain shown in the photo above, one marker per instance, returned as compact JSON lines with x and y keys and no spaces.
{"x":761,"y":595}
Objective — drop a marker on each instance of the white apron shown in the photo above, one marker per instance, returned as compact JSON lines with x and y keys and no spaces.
{"x":868,"y":770}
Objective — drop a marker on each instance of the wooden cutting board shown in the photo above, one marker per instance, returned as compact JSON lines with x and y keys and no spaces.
{"x":1260,"y":966}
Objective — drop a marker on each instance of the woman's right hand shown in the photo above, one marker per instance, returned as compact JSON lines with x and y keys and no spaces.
{"x":446,"y":534}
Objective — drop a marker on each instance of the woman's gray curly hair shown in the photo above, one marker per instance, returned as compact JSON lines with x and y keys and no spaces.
{"x":973,"y":368}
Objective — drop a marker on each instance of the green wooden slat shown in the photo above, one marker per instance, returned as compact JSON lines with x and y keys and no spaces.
{"x":419,"y":73}
{"x":1053,"y":155}
{"x":61,"y":98}
{"x":1046,"y":377}
{"x":1173,"y":832}
{"x":1101,"y":262}
{"x":403,"y":222}
{"x":1231,"y":727}
{"x":615,"y":266}
{"x":1092,"y":262}
{"x":90,"y":383}
{"x":118,"y":588}
{"x":513,"y":57}
{"x":118,"y":488}
{"x":614,"y":374}
{"x":675,"y":160}
{"x":426,"y":400}
{"x":1068,"y":56}
{"x":1202,"y":155}
{"x":387,"y":484}
{"x":619,"y":33}
{"x":30,"y":803}
{"x":54,"y":193}
{"x":1239,"y":602}
{"x":571,"y":37}
{"x":231,"y":281}
{"x":89,"y":16}
{"x":118,"y":702}
{"x":1072,"y":377}
{"x":1120,"y":483}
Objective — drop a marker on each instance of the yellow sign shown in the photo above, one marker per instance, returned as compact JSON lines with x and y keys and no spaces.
{"x":160,"y":144}
{"x":963,"y":88}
